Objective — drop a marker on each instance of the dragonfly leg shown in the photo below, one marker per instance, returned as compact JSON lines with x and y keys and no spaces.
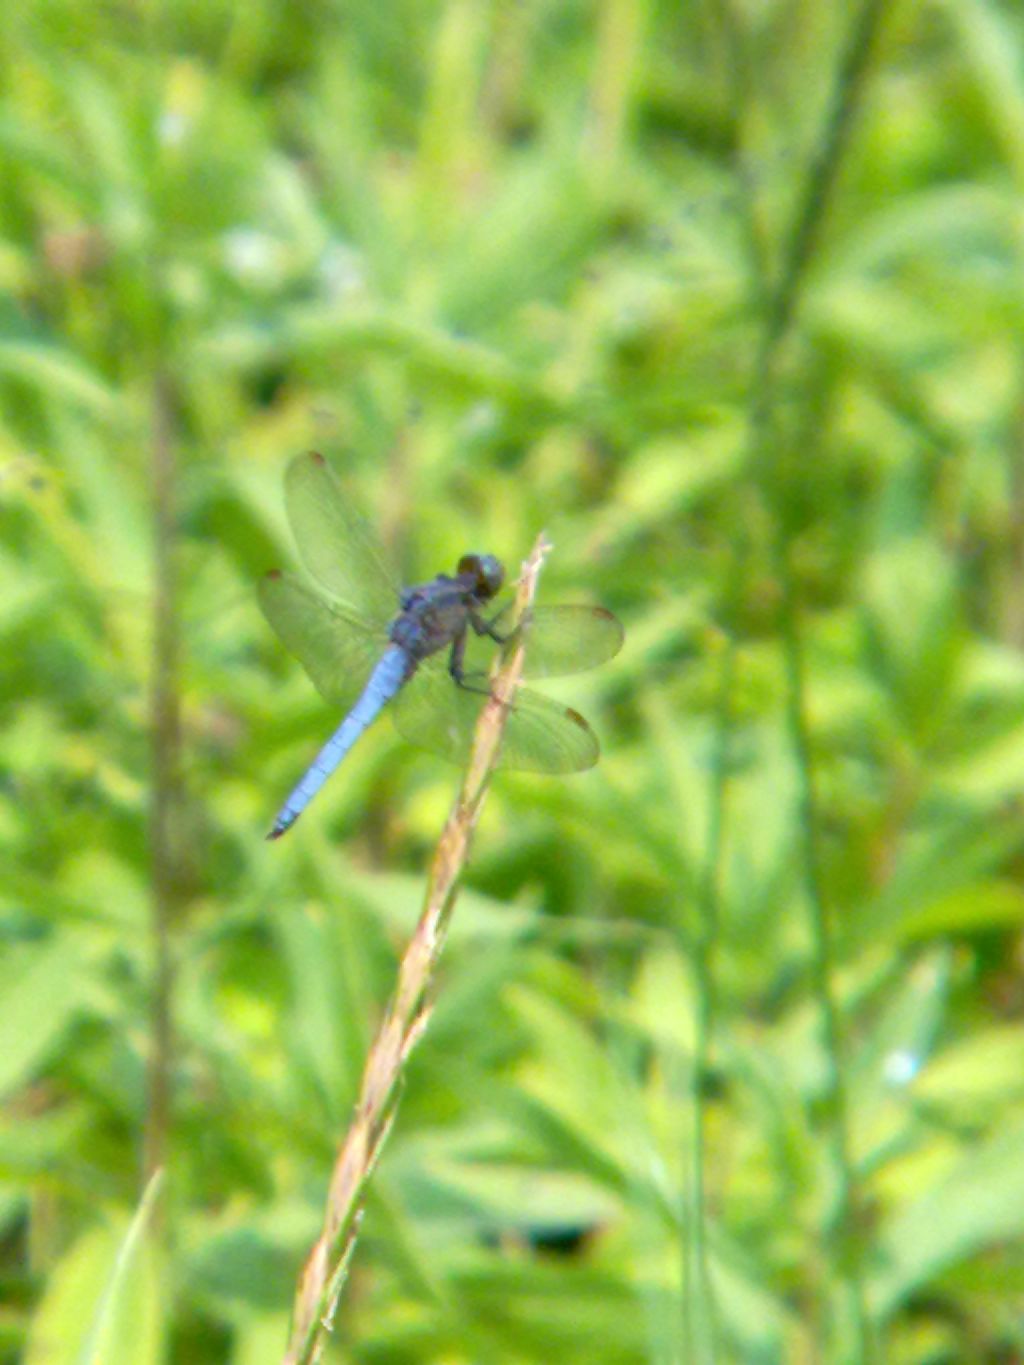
{"x":456,"y":656}
{"x":490,"y":628}
{"x":469,"y":681}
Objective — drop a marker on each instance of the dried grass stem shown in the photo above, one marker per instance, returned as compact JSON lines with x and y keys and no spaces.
{"x":407,"y":1015}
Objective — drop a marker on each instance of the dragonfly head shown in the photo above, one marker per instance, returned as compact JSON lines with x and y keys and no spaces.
{"x":487,"y":574}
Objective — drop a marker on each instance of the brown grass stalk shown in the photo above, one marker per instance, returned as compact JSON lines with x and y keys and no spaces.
{"x":323,"y":1276}
{"x":166,"y":845}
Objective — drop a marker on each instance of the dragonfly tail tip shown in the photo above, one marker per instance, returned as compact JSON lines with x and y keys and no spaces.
{"x":282,"y":825}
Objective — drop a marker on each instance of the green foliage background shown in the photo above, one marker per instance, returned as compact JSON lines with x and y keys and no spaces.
{"x":727,"y":1061}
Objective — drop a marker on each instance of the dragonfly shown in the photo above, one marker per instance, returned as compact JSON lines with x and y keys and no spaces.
{"x":365,"y":642}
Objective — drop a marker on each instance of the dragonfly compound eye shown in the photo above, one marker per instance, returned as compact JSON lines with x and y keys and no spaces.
{"x":488,"y":571}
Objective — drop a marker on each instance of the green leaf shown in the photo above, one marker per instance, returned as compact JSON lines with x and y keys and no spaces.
{"x":39,"y":999}
{"x":49,"y":368}
{"x":104,"y":1303}
{"x":966,"y":910}
{"x":977,"y":1076}
{"x":911,"y":624}
{"x":976,"y":1204}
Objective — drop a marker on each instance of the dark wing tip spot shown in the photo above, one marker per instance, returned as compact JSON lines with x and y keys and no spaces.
{"x":591,"y":760}
{"x":316,"y":457}
{"x":610,"y":617}
{"x":273,"y":575}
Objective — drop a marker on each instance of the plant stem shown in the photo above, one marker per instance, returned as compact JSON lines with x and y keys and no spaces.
{"x":700,"y":1326}
{"x":766,"y":445}
{"x":406,"y":1018}
{"x":165,"y":786}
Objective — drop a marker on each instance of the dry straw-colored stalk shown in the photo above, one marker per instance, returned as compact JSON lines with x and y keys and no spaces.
{"x":323,"y":1276}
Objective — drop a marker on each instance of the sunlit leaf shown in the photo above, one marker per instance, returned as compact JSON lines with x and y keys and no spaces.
{"x":105,"y":1304}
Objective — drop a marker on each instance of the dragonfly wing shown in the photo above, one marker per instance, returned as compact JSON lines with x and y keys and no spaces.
{"x":338,"y":652}
{"x":563,"y":640}
{"x":541,"y":735}
{"x":335,"y":543}
{"x":546,"y":736}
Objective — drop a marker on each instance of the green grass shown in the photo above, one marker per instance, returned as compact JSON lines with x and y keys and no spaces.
{"x":726,"y":1057}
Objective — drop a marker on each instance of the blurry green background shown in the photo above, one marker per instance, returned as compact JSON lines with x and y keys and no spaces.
{"x":727,"y":1060}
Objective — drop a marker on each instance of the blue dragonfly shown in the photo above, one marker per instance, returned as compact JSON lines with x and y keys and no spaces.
{"x":366,"y":642}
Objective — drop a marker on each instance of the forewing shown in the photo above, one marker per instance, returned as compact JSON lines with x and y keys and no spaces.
{"x":563,"y":640}
{"x":541,"y":735}
{"x":338,"y":652}
{"x":335,"y":543}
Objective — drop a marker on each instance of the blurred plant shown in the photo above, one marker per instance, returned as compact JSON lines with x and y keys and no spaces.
{"x":519,"y":262}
